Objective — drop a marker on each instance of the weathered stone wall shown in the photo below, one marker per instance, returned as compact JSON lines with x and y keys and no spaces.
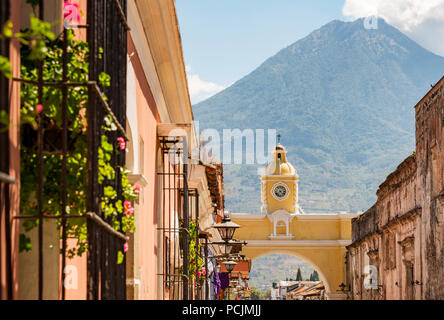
{"x":430,"y":177}
{"x":380,"y":237}
{"x":402,"y":235}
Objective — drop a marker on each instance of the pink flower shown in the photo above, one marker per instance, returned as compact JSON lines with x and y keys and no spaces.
{"x":137,"y":188}
{"x":125,"y":247}
{"x":204,"y":272}
{"x":128,"y":208}
{"x":39,"y":108}
{"x":122,"y":143}
{"x":200,"y":273}
{"x":71,"y":12}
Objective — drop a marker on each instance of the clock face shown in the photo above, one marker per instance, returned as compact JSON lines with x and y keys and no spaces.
{"x":280,"y":192}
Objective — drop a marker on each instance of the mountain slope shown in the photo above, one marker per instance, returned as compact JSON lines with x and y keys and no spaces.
{"x":343,"y":99}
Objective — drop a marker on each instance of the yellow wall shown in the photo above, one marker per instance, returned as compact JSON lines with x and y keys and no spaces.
{"x":300,"y":227}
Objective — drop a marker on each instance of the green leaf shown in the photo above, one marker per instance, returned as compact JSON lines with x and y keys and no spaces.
{"x":7,"y":29}
{"x":25,"y":243}
{"x":4,"y":118}
{"x":104,"y":79}
{"x":5,"y":67}
{"x":120,"y":257}
{"x":109,"y":192}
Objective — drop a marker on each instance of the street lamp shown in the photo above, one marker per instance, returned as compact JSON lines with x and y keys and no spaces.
{"x":230,"y":266}
{"x":228,"y":246}
{"x":226,"y":228}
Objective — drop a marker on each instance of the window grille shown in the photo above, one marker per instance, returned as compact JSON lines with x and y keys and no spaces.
{"x":106,"y":30}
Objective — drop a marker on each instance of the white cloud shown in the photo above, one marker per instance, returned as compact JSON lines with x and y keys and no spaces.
{"x":421,"y":20}
{"x":200,"y":89}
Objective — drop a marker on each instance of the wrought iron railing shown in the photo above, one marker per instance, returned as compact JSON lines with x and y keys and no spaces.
{"x":6,"y":289}
{"x":175,"y":215}
{"x":107,"y":37}
{"x":179,"y":208}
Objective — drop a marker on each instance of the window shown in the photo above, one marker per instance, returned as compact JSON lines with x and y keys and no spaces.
{"x":390,"y":250}
{"x":409,"y":286}
{"x":281,"y":228}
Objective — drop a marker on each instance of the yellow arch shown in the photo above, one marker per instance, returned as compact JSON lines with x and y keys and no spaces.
{"x":319,"y":239}
{"x":298,"y":255}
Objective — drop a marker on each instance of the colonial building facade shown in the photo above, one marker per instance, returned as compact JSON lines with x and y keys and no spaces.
{"x":137,"y":43}
{"x":398,"y":245}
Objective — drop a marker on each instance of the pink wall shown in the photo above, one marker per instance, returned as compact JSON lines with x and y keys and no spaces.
{"x":148,"y":118}
{"x":14,"y":159}
{"x":75,"y":276}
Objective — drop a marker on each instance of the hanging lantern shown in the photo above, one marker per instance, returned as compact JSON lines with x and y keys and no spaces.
{"x":226,"y":228}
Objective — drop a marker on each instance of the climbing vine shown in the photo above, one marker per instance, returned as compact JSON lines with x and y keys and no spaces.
{"x":39,"y":43}
{"x":196,"y":261}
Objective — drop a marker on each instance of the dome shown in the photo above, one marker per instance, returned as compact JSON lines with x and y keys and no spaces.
{"x":286,"y":169}
{"x":279,"y":165}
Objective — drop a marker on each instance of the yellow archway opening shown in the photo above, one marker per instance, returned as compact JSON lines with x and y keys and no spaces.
{"x":322,"y":277}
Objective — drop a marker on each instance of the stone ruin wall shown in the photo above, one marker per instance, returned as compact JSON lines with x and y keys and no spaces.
{"x":403,"y":233}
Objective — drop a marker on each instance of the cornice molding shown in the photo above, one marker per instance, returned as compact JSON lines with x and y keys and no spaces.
{"x":304,"y":217}
{"x":161,"y":31}
{"x":297,"y":243}
{"x":149,"y":67}
{"x":327,"y":216}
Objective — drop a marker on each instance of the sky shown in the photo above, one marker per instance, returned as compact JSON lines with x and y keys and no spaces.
{"x":224,"y":40}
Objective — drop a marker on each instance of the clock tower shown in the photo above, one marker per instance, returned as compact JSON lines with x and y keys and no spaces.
{"x":280,"y":192}
{"x":280,"y":184}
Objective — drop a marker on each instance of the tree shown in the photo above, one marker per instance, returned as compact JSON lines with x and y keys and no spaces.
{"x":315,"y":276}
{"x":299,"y":275}
{"x":256,"y":294}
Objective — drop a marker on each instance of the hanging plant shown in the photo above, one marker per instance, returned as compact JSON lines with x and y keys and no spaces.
{"x":196,"y":268}
{"x":114,"y":206}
